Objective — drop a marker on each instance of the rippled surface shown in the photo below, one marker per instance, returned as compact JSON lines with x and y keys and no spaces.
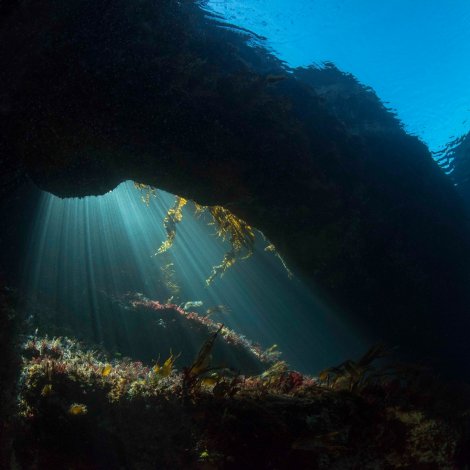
{"x":414,"y":54}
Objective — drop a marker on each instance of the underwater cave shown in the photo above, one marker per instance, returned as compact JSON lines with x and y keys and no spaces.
{"x":215,"y":254}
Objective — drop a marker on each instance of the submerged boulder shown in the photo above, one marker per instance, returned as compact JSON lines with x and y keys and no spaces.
{"x":78,"y":411}
{"x":168,"y":95}
{"x":148,"y":331}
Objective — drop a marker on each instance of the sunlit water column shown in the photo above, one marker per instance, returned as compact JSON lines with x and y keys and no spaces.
{"x":84,"y":250}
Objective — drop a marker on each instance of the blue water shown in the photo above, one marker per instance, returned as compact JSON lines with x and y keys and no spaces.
{"x":82,"y":248}
{"x":414,"y":53}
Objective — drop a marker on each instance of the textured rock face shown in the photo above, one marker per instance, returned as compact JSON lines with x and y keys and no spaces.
{"x":159,"y":93}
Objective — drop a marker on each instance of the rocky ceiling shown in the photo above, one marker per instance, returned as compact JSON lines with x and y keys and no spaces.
{"x":164,"y":94}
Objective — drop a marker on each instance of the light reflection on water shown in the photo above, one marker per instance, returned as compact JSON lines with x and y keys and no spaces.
{"x":414,"y":54}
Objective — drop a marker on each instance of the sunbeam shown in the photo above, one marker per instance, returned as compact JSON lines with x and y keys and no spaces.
{"x":87,"y":253}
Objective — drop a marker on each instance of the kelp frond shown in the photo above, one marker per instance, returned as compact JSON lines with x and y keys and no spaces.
{"x":167,"y":367}
{"x":198,"y":209}
{"x":237,"y":231}
{"x":240,"y":235}
{"x":272,"y":249}
{"x":147,"y":192}
{"x":354,"y":375}
{"x":229,"y":227}
{"x":275,"y":372}
{"x":202,"y":364}
{"x":219,"y":270}
{"x":169,"y":278}
{"x":173,"y":217}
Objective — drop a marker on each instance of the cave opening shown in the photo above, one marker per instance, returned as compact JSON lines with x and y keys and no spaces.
{"x":89,"y":259}
{"x":122,"y":345}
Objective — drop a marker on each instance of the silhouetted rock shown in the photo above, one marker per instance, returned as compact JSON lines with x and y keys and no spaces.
{"x":92,"y":95}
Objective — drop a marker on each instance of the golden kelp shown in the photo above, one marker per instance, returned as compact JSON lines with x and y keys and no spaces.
{"x":228,"y":261}
{"x":201,"y":365}
{"x":147,"y":192}
{"x":173,"y":217}
{"x":228,"y":227}
{"x":165,"y":369}
{"x":169,"y":278}
{"x":240,"y":235}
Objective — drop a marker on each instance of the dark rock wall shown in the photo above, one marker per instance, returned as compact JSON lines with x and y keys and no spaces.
{"x":94,"y":94}
{"x":457,"y":157}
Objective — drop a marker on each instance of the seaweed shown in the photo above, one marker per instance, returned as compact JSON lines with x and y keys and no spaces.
{"x":155,"y":415}
{"x":240,"y":235}
{"x":167,"y":367}
{"x":169,"y":278}
{"x":272,"y":249}
{"x":224,"y":382}
{"x":228,"y":226}
{"x":201,"y":365}
{"x":148,"y":192}
{"x":355,"y":375}
{"x":219,"y":270}
{"x":173,"y":217}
